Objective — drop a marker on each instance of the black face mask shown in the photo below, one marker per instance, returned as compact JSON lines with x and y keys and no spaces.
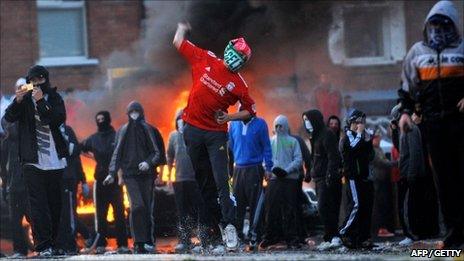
{"x":442,"y":33}
{"x":45,"y":87}
{"x":103,"y":126}
{"x":39,"y":72}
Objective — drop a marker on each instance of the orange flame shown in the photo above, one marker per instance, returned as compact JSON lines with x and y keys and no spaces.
{"x":86,"y":206}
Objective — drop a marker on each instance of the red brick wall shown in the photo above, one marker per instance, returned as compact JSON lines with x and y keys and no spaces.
{"x":111,"y":26}
{"x":18,"y":40}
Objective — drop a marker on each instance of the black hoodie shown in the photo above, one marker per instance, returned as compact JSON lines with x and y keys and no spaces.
{"x":101,"y":144}
{"x":51,"y":111}
{"x":137,"y":141}
{"x":337,"y":132}
{"x":357,"y":153}
{"x":326,"y":158}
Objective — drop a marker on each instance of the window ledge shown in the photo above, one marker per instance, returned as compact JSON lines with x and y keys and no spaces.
{"x":368,"y":61}
{"x":67,"y":61}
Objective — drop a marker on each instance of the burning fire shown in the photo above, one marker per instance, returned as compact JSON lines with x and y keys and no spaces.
{"x":87,"y":206}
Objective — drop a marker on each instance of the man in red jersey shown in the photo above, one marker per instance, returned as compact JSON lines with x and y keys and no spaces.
{"x":216,"y":86}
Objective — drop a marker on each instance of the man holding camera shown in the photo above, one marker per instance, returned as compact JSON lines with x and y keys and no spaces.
{"x":42,"y":148}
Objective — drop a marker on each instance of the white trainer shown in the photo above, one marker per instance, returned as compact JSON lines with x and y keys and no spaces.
{"x":231,"y":238}
{"x":180,"y":248}
{"x":406,"y":242}
{"x":198,"y":249}
{"x":335,"y":243}
{"x":323,"y":246}
{"x":218,"y":250}
{"x":342,"y":250}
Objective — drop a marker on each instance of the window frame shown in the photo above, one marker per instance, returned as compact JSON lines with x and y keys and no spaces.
{"x":393,"y":32}
{"x":67,"y":60}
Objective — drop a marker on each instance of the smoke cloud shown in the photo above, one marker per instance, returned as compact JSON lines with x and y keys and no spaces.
{"x":288,"y":41}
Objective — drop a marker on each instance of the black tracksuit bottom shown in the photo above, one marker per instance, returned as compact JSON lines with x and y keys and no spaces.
{"x":66,"y":238}
{"x":418,"y":208}
{"x":247,"y":185}
{"x":140,"y":190}
{"x":445,"y":141}
{"x":70,"y":224}
{"x":103,"y":197}
{"x":189,"y":206}
{"x":383,"y":205}
{"x":406,"y":208}
{"x":19,"y":208}
{"x":208,"y":152}
{"x":356,"y":228}
{"x":329,"y":199}
{"x":44,"y":191}
{"x":281,"y":220}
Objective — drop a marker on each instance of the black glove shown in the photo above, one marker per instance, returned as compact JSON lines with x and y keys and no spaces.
{"x":279,"y":172}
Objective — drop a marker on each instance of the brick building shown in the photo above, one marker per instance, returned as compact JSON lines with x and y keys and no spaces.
{"x":31,"y":30}
{"x":95,"y":29}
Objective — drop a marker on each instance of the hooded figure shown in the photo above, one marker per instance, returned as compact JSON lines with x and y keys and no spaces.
{"x":435,"y":84}
{"x":38,"y":71}
{"x":104,"y":125}
{"x":177,"y":152}
{"x":101,"y":144}
{"x":186,"y":191}
{"x":42,"y":151}
{"x":137,"y":154}
{"x":137,"y":142}
{"x":440,"y":29}
{"x":432,"y":80}
{"x":286,"y":152}
{"x":281,"y":201}
{"x":334,"y":123}
{"x":357,"y":152}
{"x":326,"y":162}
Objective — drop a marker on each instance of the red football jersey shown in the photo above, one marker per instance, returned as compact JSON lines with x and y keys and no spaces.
{"x":214,"y":88}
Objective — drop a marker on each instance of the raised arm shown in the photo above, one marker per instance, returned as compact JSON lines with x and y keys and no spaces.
{"x":182,"y":29}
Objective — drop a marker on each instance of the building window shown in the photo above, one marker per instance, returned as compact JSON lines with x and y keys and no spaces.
{"x":367,"y":33}
{"x":62,"y":33}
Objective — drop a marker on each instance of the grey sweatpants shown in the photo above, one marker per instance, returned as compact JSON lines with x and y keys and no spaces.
{"x":140,"y":190}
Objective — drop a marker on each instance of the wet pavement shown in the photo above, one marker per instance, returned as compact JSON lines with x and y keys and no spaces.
{"x":388,"y":249}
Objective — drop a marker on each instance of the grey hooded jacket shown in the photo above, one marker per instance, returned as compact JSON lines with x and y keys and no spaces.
{"x":154,"y":159}
{"x":435,"y":84}
{"x":177,"y":153}
{"x":286,"y":152}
